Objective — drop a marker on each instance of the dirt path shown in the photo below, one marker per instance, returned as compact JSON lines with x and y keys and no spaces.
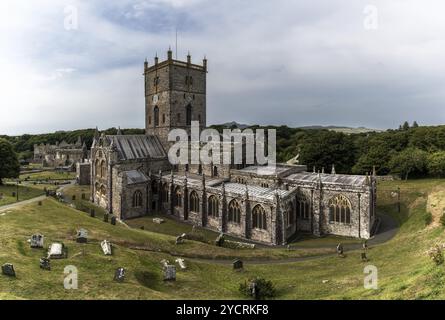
{"x":436,"y":206}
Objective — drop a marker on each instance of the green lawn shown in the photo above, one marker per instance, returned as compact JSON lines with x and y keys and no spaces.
{"x":48,"y":175}
{"x":25,"y":193}
{"x":404,"y":269}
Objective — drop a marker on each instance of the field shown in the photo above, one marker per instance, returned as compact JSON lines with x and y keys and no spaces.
{"x":25,"y":193}
{"x":404,"y":269}
{"x":48,"y":175}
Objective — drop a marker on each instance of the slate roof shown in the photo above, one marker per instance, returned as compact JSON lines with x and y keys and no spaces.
{"x":254,"y":191}
{"x":339,"y":179}
{"x":132,"y":147}
{"x":135,"y":177}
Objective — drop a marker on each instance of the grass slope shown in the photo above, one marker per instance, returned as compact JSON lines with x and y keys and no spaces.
{"x":404,"y":270}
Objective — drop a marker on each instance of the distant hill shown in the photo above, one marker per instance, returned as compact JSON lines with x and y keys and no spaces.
{"x":347,"y":130}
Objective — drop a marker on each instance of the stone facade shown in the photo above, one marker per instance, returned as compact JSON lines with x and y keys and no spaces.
{"x":132,"y":177}
{"x":61,"y":154}
{"x":83,"y":173}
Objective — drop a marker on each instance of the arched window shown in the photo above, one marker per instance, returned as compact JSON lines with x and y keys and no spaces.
{"x":154,"y":187}
{"x":303,"y":207}
{"x":290,"y":218}
{"x":97,"y":166}
{"x":164,"y":194}
{"x":103,"y":191}
{"x":103,"y":169}
{"x":215,"y":171}
{"x":177,"y":201}
{"x":234,"y":212}
{"x":156,"y":116}
{"x":200,"y":169}
{"x":340,"y":209}
{"x":137,"y":199}
{"x":213,"y":207}
{"x":188,"y":116}
{"x":259,"y":218}
{"x":194,"y":202}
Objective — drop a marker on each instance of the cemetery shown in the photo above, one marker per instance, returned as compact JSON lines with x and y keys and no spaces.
{"x":172,"y":264}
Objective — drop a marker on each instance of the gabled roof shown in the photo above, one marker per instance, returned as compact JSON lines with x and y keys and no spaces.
{"x":135,"y":177}
{"x":336,"y":179}
{"x":132,"y":147}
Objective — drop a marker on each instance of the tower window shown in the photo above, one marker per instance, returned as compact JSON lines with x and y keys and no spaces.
{"x":156,"y":116}
{"x":149,"y":119}
{"x":189,"y":115}
{"x":163,"y":118}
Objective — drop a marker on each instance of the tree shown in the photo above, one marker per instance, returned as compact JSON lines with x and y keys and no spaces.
{"x":405,"y":125}
{"x":415,"y":124}
{"x":409,"y":161}
{"x":9,"y":163}
{"x":436,"y":164}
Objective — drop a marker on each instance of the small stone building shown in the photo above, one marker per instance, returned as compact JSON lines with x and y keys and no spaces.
{"x":61,"y":154}
{"x":132,"y":177}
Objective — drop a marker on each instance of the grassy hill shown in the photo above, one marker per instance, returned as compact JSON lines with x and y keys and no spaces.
{"x":404,"y":269}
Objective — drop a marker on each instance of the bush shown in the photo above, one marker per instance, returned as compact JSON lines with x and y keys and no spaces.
{"x":264,"y":289}
{"x":436,"y":255}
{"x":428,"y":218}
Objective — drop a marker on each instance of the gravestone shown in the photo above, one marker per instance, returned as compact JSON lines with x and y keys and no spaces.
{"x":181,"y":239}
{"x":106,"y":247}
{"x":254,"y":289}
{"x":8,"y":270}
{"x":220,"y":240}
{"x":45,"y":264}
{"x":113,"y":220}
{"x":142,"y":228}
{"x":181,"y":263}
{"x":119,"y":275}
{"x":164,"y":263}
{"x":106,"y":217}
{"x":169,"y":273}
{"x":92,"y":213}
{"x":237,"y":264}
{"x":56,"y":251}
{"x":82,"y":236}
{"x":158,"y":220}
{"x":40,"y":203}
{"x":37,"y":241}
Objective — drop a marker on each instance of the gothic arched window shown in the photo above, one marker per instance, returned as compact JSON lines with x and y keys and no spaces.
{"x":234,"y":212}
{"x":137,"y":199}
{"x":97,"y":167}
{"x":177,"y":201}
{"x":188,"y":117}
{"x":103,"y":169}
{"x":340,"y":209}
{"x":303,"y":207}
{"x":194,"y":202}
{"x":156,"y":116}
{"x":290,"y":218}
{"x":215,"y":171}
{"x":213,"y":207}
{"x":259,"y":218}
{"x":164,"y":194}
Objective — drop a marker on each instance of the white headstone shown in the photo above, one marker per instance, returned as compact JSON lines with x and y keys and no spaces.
{"x":106,"y":247}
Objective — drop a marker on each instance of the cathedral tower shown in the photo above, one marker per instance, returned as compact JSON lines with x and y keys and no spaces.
{"x":175,"y":95}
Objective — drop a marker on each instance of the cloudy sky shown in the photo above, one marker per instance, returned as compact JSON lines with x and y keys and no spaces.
{"x":332,"y":62}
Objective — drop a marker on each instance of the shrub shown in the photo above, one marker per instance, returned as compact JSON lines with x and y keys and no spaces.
{"x":264,"y":289}
{"x":428,"y":218}
{"x":436,"y":255}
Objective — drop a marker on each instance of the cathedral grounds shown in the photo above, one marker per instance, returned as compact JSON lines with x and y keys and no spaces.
{"x":404,"y":268}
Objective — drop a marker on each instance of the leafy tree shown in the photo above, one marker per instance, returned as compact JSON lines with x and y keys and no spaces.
{"x":405,"y":125}
{"x":436,"y":164}
{"x":9,"y":163}
{"x":409,"y":161}
{"x":322,"y":148}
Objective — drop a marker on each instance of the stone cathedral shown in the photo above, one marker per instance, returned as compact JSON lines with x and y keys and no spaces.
{"x":131,"y":175}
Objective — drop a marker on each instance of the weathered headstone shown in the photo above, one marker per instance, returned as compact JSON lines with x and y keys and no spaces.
{"x":220,"y":240}
{"x":158,"y":220}
{"x":237,"y":264}
{"x":45,"y":264}
{"x":170,"y":273}
{"x":106,"y":247}
{"x":82,"y":236}
{"x":56,"y":251}
{"x":181,"y":263}
{"x":119,"y":274}
{"x":8,"y":270}
{"x":92,"y":213}
{"x":37,"y":241}
{"x":106,"y":217}
{"x":40,"y":203}
{"x":254,"y":290}
{"x":180,"y":239}
{"x":340,"y":250}
{"x":142,"y":228}
{"x":113,"y":220}
{"x":164,"y":263}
